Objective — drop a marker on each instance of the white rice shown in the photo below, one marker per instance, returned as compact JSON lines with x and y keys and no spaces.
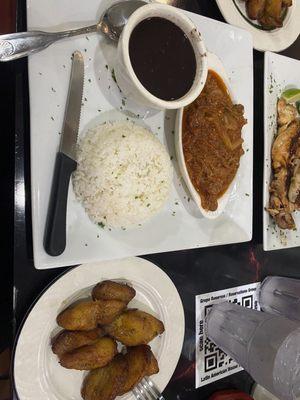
{"x":123,"y":175}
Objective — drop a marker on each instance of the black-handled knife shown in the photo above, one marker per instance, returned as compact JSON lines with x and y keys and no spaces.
{"x":65,"y":164}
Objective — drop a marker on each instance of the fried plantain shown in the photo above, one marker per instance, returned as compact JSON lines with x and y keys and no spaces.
{"x":81,"y":316}
{"x":86,"y":315}
{"x":273,"y":8}
{"x":91,"y":356}
{"x":152,"y":367}
{"x":105,"y":383}
{"x":135,"y":327}
{"x":255,"y":8}
{"x":110,"y":290}
{"x":141,"y":362}
{"x":66,"y":341}
{"x":109,"y":310}
{"x":273,"y":14}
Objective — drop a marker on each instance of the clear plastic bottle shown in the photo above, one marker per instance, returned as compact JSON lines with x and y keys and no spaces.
{"x":266,"y":346}
{"x":280,"y":296}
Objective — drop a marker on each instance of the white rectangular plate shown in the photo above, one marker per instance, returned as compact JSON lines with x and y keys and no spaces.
{"x":280,"y":73}
{"x":178,"y":226}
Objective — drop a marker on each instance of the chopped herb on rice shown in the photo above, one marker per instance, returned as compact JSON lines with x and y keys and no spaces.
{"x":124,"y":185}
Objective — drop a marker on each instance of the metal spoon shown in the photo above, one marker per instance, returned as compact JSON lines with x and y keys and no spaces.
{"x":111,"y":23}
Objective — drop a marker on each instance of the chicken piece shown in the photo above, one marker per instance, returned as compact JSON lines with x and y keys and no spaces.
{"x":90,"y":356}
{"x":86,"y":315}
{"x":287,"y":3}
{"x":294,"y":189}
{"x":67,"y":341}
{"x":280,"y":208}
{"x":110,"y":290}
{"x":255,"y":8}
{"x":294,"y":172}
{"x":140,"y":363}
{"x":105,"y":383}
{"x":282,"y":218}
{"x":282,"y":144}
{"x":134,"y":327}
{"x":284,"y":151}
{"x":278,"y":189}
{"x":287,"y":113}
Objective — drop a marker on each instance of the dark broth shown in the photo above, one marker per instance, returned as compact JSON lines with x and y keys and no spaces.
{"x":163,"y":58}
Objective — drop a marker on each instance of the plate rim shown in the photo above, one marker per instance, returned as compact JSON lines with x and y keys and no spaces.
{"x":142,"y":262}
{"x":24,"y":319}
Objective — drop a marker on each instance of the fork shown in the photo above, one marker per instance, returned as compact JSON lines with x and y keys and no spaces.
{"x":147,"y":390}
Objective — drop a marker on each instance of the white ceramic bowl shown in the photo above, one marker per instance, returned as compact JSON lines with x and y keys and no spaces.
{"x":127,"y":80}
{"x":215,"y":64}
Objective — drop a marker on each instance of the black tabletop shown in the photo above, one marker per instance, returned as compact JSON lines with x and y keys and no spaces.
{"x":193,"y":271}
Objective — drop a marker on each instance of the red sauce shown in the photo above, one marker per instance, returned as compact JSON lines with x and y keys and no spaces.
{"x":212,"y":142}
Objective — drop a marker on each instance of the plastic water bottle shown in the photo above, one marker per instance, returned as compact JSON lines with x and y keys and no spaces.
{"x":265,"y":345}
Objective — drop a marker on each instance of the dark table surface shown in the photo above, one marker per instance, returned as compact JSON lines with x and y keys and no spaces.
{"x":193,"y":271}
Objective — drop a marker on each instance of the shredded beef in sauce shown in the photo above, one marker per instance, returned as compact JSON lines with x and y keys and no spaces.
{"x":212,"y":142}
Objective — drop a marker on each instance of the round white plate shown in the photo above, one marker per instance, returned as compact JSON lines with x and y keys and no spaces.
{"x":37,"y":373}
{"x":275,"y":40}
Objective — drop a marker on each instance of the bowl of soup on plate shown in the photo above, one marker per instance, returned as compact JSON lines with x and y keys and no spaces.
{"x":162,"y":59}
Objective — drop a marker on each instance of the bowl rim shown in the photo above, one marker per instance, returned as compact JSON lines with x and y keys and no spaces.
{"x":215,"y":64}
{"x":189,"y":28}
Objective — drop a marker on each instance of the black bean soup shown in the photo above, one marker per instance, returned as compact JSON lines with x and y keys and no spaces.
{"x":162,"y":58}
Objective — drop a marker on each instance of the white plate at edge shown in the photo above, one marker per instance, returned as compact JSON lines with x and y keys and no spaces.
{"x":183,"y":227}
{"x":275,"y":40}
{"x":36,"y":371}
{"x":280,"y":73}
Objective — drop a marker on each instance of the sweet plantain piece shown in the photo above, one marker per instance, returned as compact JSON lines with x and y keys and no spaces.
{"x":86,"y":315}
{"x":255,"y":8}
{"x":82,"y":316}
{"x":110,"y":290}
{"x":273,"y":14}
{"x":105,"y":383}
{"x":141,"y":362}
{"x":152,"y":367}
{"x":135,"y":327}
{"x":273,"y":8}
{"x":109,"y":310}
{"x":66,"y":341}
{"x":91,"y":356}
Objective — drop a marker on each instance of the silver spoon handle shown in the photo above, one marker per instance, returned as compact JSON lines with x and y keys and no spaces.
{"x":17,"y":45}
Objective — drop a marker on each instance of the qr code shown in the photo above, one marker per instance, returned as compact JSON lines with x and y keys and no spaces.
{"x":211,"y":362}
{"x":214,"y":357}
{"x":246,"y":301}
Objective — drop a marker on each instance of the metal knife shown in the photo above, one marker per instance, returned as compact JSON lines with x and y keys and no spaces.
{"x":65,"y":164}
